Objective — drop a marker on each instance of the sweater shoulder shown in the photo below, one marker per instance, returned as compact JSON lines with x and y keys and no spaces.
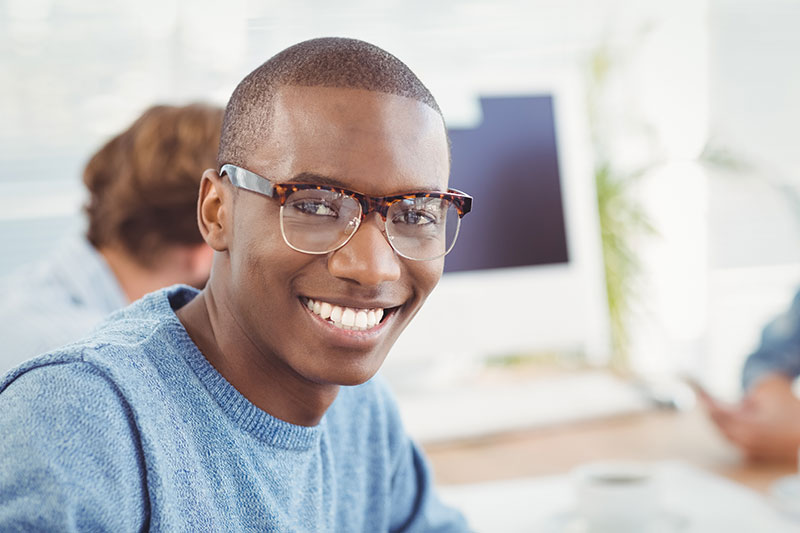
{"x":122,"y":346}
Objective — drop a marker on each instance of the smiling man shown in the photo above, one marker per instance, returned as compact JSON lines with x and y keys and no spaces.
{"x":252,"y":405}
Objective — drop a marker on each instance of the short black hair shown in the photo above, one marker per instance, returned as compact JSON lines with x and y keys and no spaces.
{"x":323,"y":62}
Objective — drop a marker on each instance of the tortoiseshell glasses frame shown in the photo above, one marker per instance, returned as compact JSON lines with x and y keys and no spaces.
{"x":248,"y":180}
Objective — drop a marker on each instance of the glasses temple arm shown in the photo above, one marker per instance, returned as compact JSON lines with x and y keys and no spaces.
{"x":245,"y":179}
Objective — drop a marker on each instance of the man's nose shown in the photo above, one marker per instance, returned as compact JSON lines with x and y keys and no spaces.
{"x":367,"y":258}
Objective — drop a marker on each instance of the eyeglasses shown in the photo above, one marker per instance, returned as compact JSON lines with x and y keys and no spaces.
{"x":318,"y":219}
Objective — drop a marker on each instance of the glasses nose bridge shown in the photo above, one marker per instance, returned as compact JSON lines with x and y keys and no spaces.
{"x":370,"y":204}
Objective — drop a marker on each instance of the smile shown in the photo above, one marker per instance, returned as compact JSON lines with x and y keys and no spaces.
{"x":347,"y":318}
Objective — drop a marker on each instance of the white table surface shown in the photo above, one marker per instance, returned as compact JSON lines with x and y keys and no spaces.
{"x":709,"y":503}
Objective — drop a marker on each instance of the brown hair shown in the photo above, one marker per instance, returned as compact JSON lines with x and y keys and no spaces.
{"x":143,"y":183}
{"x":323,"y":62}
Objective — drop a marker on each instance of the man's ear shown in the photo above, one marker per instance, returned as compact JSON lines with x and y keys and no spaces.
{"x":213,"y":210}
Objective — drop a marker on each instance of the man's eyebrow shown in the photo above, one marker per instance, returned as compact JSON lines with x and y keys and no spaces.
{"x":317,"y":179}
{"x":313,"y":178}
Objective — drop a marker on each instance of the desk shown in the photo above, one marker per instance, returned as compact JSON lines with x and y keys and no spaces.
{"x":651,"y":436}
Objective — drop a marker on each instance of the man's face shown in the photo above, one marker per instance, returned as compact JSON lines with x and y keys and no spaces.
{"x":374,"y":143}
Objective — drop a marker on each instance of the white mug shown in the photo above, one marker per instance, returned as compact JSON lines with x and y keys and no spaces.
{"x":616,"y":496}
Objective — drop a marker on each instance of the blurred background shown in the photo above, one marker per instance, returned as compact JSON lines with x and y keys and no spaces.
{"x":667,"y":131}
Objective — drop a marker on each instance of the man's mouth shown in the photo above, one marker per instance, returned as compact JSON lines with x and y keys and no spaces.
{"x":348,"y":318}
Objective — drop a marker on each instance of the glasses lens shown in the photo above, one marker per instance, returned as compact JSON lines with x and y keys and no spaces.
{"x":422,"y":228}
{"x":318,"y":221}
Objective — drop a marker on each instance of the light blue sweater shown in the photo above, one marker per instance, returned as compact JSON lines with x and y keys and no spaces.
{"x":133,"y":430}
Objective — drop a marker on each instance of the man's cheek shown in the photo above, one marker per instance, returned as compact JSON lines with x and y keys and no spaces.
{"x":430,"y":275}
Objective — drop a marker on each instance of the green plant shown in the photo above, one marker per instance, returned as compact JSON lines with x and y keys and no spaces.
{"x":622,"y":222}
{"x":623,"y":219}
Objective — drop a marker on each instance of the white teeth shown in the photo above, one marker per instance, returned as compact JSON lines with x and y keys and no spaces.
{"x":336,"y":314}
{"x":346,"y":317}
{"x":349,"y":317}
{"x":325,"y":310}
{"x":361,"y":319}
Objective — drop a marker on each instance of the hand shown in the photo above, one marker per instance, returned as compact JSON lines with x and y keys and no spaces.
{"x":766,"y":424}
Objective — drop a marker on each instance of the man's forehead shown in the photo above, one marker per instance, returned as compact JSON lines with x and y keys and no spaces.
{"x":353,"y":104}
{"x":340,"y":134}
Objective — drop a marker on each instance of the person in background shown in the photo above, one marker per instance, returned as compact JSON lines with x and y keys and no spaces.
{"x":253,"y":405}
{"x":142,"y":233}
{"x":766,"y":423}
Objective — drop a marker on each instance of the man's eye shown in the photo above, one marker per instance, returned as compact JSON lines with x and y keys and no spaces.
{"x":417,"y":217}
{"x":322,"y":209}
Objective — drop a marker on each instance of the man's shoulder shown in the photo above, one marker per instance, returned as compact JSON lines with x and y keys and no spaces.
{"x":93,"y":356}
{"x":65,"y":426}
{"x":150,"y":318}
{"x":45,"y":378}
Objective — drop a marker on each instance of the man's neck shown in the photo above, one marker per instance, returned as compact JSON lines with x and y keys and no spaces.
{"x":269,"y":385}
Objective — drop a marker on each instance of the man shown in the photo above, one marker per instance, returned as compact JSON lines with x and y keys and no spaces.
{"x":250,"y":406}
{"x":766,"y":424}
{"x":142,"y":233}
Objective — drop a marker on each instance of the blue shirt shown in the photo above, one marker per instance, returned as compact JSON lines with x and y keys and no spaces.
{"x":56,"y":301}
{"x":132,"y":429}
{"x":779,"y":351}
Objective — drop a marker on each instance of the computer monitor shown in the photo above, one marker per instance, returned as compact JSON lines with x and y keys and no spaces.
{"x":509,"y":163}
{"x":526,"y":275}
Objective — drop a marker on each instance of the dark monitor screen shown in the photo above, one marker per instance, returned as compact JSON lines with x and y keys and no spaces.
{"x":509,"y":164}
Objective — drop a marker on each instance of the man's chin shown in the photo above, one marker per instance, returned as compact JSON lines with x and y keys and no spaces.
{"x":347,"y":375}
